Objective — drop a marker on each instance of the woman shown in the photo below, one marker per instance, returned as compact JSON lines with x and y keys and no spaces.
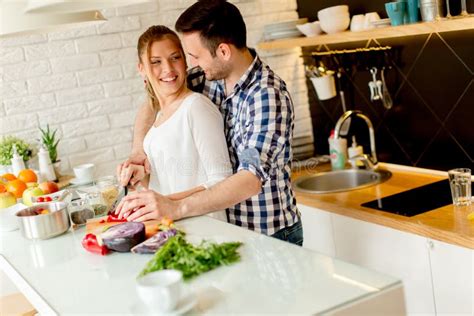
{"x":186,"y":145}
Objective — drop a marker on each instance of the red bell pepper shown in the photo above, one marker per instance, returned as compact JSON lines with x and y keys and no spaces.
{"x":91,"y":244}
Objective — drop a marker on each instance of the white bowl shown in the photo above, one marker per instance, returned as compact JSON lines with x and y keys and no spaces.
{"x":335,"y":10}
{"x":8,"y":220}
{"x":310,"y":29}
{"x":335,"y":24}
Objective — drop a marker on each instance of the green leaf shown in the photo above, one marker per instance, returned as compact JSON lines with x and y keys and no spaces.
{"x":192,"y":260}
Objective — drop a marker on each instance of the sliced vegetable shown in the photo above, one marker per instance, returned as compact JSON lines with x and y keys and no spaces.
{"x":152,"y":244}
{"x":123,"y":237}
{"x":192,"y":260}
{"x":91,"y":244}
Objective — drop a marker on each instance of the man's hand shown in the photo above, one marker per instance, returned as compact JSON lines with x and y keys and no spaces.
{"x":138,"y":159}
{"x":147,"y":205}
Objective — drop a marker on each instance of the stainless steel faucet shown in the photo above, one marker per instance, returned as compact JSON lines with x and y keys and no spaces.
{"x":342,"y":128}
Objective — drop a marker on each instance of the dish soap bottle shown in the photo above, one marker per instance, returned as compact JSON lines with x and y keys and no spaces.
{"x":337,"y":152}
{"x":355,"y":150}
{"x":45,"y":166}
{"x":17,"y":162}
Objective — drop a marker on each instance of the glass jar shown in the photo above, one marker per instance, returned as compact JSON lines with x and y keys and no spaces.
{"x":108,"y":188}
{"x":80,"y":211}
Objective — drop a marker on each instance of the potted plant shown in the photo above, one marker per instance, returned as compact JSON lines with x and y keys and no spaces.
{"x":6,"y":151}
{"x":48,"y":138}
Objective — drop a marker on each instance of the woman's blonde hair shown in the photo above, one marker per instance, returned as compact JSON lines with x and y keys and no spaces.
{"x":152,"y":34}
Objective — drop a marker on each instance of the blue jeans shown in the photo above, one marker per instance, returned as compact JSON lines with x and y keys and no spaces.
{"x":292,"y":234}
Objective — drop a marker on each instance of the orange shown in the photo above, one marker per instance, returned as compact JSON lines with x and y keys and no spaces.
{"x":9,"y":176}
{"x":16,"y":187}
{"x":27,"y":175}
{"x":3,"y":188}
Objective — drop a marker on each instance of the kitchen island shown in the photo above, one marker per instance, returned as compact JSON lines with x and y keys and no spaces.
{"x":59,"y":277}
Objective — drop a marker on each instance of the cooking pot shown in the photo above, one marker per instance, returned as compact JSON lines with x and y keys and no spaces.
{"x":44,"y":226}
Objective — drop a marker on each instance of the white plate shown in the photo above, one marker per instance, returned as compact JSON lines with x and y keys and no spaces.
{"x":185,"y":304}
{"x":75,"y":181}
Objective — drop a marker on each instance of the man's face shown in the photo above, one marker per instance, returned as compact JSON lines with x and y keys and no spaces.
{"x":215,"y":68}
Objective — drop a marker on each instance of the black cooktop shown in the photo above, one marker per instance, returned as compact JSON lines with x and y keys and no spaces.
{"x":415,"y":201}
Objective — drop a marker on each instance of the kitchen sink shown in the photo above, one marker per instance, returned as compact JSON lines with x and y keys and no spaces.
{"x":340,"y":181}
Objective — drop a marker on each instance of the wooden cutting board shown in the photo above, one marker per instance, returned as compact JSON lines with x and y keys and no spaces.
{"x":94,"y":226}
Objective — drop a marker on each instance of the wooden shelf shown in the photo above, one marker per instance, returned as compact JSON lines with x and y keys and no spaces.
{"x":455,"y":24}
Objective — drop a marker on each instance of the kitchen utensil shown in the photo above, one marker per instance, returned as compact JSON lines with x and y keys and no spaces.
{"x":374,"y":93}
{"x":45,"y":226}
{"x":325,"y":86}
{"x":357,"y":23}
{"x":160,"y":290}
{"x":341,"y":91}
{"x":396,"y":12}
{"x":386,"y":98}
{"x":448,"y":10}
{"x":412,"y":11}
{"x":460,"y":183}
{"x":123,"y":191}
{"x":464,"y":8}
{"x":98,"y":224}
{"x":84,"y":173}
{"x":429,"y":10}
{"x":369,"y":18}
{"x":310,"y":29}
{"x":334,"y":19}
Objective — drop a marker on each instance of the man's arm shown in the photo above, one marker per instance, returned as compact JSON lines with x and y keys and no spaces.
{"x":227,"y":193}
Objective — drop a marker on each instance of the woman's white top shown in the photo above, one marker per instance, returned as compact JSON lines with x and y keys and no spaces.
{"x":188,"y":149}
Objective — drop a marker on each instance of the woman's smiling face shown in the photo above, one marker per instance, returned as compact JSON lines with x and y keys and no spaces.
{"x":165,"y":67}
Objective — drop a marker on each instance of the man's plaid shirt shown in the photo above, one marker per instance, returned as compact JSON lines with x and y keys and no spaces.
{"x":259,"y":121}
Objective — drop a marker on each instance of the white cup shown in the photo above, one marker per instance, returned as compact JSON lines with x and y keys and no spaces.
{"x":369,"y":18}
{"x":357,"y":23}
{"x":84,"y":173}
{"x":325,"y":86}
{"x":160,"y":290}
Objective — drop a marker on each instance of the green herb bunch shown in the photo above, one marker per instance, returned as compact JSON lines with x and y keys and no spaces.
{"x":6,"y":149}
{"x":48,"y":138}
{"x":192,"y":260}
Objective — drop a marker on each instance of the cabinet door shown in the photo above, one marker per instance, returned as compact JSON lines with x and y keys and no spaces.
{"x":317,"y":230}
{"x":452,"y":270}
{"x":401,"y":255}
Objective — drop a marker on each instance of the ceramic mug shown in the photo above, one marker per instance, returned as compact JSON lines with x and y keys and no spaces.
{"x":396,"y":12}
{"x":84,"y":173}
{"x":357,"y":23}
{"x":160,"y":290}
{"x":412,"y":11}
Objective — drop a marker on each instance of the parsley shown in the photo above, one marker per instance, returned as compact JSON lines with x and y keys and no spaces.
{"x":192,"y":260}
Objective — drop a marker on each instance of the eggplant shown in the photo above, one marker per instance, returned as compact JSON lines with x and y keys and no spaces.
{"x":155,"y":242}
{"x":123,"y":237}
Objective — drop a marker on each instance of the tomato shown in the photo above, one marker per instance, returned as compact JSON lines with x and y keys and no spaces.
{"x":40,"y":199}
{"x":47,"y":199}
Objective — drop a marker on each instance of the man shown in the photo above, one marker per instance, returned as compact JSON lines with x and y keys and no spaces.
{"x":258,"y":118}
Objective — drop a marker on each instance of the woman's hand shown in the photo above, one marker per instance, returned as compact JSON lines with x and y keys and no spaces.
{"x":130,"y":174}
{"x":146,"y":205}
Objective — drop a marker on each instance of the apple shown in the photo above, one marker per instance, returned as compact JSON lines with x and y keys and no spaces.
{"x":48,"y":187}
{"x":29,"y":193}
{"x":7,"y":199}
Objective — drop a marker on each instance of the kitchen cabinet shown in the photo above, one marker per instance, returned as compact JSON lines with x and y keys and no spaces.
{"x":386,"y":250}
{"x":453,"y":278}
{"x":317,"y":230}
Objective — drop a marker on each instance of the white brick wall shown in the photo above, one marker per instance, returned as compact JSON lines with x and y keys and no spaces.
{"x":84,"y":81}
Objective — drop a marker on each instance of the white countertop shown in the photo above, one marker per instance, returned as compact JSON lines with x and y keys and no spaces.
{"x":58,"y":276}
